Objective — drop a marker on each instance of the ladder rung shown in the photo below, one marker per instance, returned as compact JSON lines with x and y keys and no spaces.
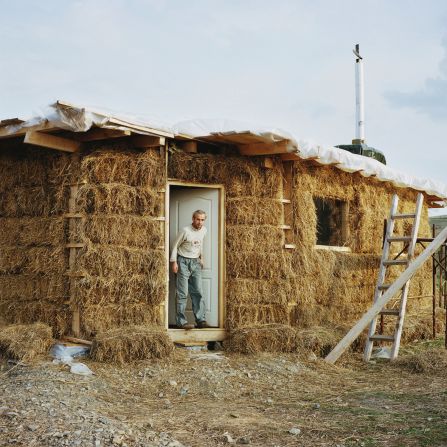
{"x":404,"y":216}
{"x":396,"y":262}
{"x":399,"y":239}
{"x":384,"y":286}
{"x":382,"y":338}
{"x":389,"y":312}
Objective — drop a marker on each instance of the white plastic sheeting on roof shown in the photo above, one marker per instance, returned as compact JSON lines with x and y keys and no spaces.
{"x":368,"y":167}
{"x":305,"y":149}
{"x":204,"y":127}
{"x":80,"y":119}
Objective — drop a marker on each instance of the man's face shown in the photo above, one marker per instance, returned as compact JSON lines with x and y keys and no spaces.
{"x":198,"y":220}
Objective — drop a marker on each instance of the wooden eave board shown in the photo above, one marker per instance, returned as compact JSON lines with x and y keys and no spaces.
{"x":237,"y":138}
{"x":124,"y":125}
{"x":5,"y":132}
{"x":11,"y":122}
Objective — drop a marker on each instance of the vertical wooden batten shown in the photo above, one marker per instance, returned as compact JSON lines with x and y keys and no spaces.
{"x":74,"y":188}
{"x":287,"y":214}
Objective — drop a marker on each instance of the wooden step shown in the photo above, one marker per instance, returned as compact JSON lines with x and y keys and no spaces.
{"x":396,"y":262}
{"x":381,"y":337}
{"x":389,"y":312}
{"x":404,"y":216}
{"x":399,"y":239}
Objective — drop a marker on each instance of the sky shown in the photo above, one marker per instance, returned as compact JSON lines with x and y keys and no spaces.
{"x":279,"y":63}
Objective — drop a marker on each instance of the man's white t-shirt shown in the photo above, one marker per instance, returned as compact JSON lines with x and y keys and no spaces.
{"x":189,"y":243}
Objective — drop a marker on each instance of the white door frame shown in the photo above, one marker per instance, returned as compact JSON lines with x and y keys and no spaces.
{"x":221,"y":257}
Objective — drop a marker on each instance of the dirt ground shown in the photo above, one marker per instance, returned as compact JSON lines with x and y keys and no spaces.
{"x":215,"y":398}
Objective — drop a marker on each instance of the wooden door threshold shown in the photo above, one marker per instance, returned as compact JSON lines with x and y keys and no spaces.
{"x":197,"y":335}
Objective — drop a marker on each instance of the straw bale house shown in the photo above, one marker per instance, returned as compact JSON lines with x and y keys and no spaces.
{"x":89,"y":202}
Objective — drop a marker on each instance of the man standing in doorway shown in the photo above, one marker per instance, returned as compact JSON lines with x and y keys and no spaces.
{"x":187,"y":263}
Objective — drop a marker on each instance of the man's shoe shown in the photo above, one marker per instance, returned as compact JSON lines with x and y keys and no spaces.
{"x":203,"y":325}
{"x":185,"y":326}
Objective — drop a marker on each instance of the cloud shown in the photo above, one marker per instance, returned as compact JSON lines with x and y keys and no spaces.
{"x":431,"y":99}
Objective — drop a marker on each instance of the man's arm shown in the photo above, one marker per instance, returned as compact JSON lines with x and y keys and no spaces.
{"x":173,"y":258}
{"x":202,"y":262}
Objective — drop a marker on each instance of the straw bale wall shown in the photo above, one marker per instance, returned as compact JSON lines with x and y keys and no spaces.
{"x":258,"y":271}
{"x":122,"y":262}
{"x":33,"y":198}
{"x":305,"y":287}
{"x":336,"y":288}
{"x":121,"y":272}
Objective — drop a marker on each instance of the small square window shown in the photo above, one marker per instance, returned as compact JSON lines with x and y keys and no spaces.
{"x":332,"y":221}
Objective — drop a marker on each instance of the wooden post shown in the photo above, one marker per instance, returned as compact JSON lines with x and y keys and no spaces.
{"x":73,"y":245}
{"x":287,"y":187}
{"x":345,"y":223}
{"x":434,"y":287}
{"x":76,"y":319}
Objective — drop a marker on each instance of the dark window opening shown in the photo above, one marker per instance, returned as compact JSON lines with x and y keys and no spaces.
{"x":332,"y":221}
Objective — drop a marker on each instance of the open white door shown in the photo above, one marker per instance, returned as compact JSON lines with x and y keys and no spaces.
{"x":183,"y":201}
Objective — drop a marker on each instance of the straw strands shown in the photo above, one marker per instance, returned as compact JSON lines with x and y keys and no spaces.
{"x":431,"y":361}
{"x":33,"y":258}
{"x":122,"y":261}
{"x":131,"y":343}
{"x":263,"y":338}
{"x":25,"y":342}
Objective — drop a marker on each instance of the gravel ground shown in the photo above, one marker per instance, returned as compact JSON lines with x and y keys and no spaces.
{"x":214,"y":398}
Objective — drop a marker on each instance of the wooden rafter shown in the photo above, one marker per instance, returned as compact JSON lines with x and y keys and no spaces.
{"x":145,"y":141}
{"x":99,"y":133}
{"x":51,"y":141}
{"x":263,"y":148}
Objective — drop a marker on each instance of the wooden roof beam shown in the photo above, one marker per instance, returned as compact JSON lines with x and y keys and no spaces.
{"x":98,"y":133}
{"x":263,"y":148}
{"x":144,"y":141}
{"x":51,"y":141}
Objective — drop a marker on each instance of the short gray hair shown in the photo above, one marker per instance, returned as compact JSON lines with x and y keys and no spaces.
{"x":198,"y":212}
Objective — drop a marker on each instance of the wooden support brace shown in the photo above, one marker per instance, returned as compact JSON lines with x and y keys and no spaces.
{"x":51,"y":141}
{"x":74,"y":216}
{"x":268,"y":163}
{"x":98,"y":133}
{"x":263,"y":148}
{"x":74,"y":245}
{"x":290,"y":156}
{"x":189,"y":147}
{"x":146,"y":141}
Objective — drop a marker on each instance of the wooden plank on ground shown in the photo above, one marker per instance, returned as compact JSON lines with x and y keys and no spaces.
{"x":77,"y":340}
{"x":348,"y":339}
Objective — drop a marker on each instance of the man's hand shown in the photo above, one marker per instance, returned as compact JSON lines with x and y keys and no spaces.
{"x":201,"y":263}
{"x":174,"y":267}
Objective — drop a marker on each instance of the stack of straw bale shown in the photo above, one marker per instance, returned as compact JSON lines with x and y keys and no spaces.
{"x":337,"y":288}
{"x":25,"y":341}
{"x":122,"y":261}
{"x":130,"y":343}
{"x":305,"y":287}
{"x":33,"y":198}
{"x":259,"y":274}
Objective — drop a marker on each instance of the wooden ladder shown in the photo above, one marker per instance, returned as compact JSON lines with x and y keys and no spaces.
{"x":409,"y":244}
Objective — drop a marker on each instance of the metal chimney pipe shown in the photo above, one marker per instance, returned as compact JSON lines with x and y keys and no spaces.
{"x":359,"y":98}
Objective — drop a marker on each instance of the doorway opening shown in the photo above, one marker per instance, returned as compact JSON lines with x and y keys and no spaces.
{"x":184,"y":199}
